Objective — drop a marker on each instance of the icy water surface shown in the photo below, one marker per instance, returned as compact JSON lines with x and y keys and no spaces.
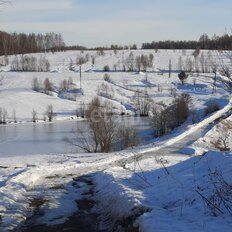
{"x":50,"y":138}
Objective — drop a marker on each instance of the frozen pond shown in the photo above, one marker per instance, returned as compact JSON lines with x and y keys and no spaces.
{"x":30,"y":139}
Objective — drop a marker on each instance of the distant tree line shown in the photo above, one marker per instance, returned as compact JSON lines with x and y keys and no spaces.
{"x":29,"y":43}
{"x":223,"y":42}
{"x":116,"y":47}
{"x":74,"y":47}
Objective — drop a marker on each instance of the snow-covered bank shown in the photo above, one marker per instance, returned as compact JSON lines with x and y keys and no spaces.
{"x":182,"y":194}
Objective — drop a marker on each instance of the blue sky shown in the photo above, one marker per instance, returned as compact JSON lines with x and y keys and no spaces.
{"x":103,"y":22}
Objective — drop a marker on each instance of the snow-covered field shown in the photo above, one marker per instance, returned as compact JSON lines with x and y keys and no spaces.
{"x":17,"y":96}
{"x":168,"y":189}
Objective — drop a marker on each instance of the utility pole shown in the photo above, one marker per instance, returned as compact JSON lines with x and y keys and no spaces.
{"x":80,"y":76}
{"x":215,"y":82}
{"x":170,"y":68}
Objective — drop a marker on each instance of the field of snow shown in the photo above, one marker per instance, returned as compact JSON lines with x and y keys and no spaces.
{"x":170,"y":193}
{"x":17,"y":96}
{"x":167,"y":188}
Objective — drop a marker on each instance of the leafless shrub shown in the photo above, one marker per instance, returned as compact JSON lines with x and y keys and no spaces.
{"x":222,"y":143}
{"x":48,"y":86}
{"x":36,"y":85}
{"x":49,"y":113}
{"x":107,"y":77}
{"x":166,"y":119}
{"x":80,"y":60}
{"x":225,"y":71}
{"x":3,"y":115}
{"x":93,"y":59}
{"x":106,"y":91}
{"x":104,"y":132}
{"x":34,"y":116}
{"x":64,"y":85}
{"x":218,"y":196}
{"x":142,"y":102}
{"x":14,"y":116}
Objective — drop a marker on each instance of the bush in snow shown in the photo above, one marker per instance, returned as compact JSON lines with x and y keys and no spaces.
{"x":142,"y":102}
{"x":36,"y":85}
{"x":106,"y":77}
{"x":106,"y":68}
{"x":166,"y":119}
{"x":222,"y":142}
{"x":64,"y":86}
{"x":104,"y":129}
{"x":183,"y":77}
{"x":3,"y":115}
{"x":14,"y":116}
{"x":34,"y":116}
{"x":218,"y":194}
{"x":49,"y":113}
{"x":48,"y":86}
{"x":105,"y":90}
{"x":80,"y":60}
{"x":225,"y":71}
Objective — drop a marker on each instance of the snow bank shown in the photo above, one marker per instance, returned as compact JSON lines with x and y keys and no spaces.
{"x":172,"y":193}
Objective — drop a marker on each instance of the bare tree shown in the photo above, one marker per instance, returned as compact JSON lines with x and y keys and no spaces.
{"x":104,"y":132}
{"x":48,"y":86}
{"x":142,"y":102}
{"x":36,"y":84}
{"x":138,"y":63}
{"x":1,"y":111}
{"x":49,"y":113}
{"x":166,"y":119}
{"x":14,"y":116}
{"x":102,"y":125}
{"x":4,"y":115}
{"x":34,"y":116}
{"x":130,"y":62}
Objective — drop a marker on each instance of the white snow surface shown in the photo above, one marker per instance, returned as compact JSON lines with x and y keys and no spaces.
{"x":170,"y":195}
{"x":16,"y":94}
